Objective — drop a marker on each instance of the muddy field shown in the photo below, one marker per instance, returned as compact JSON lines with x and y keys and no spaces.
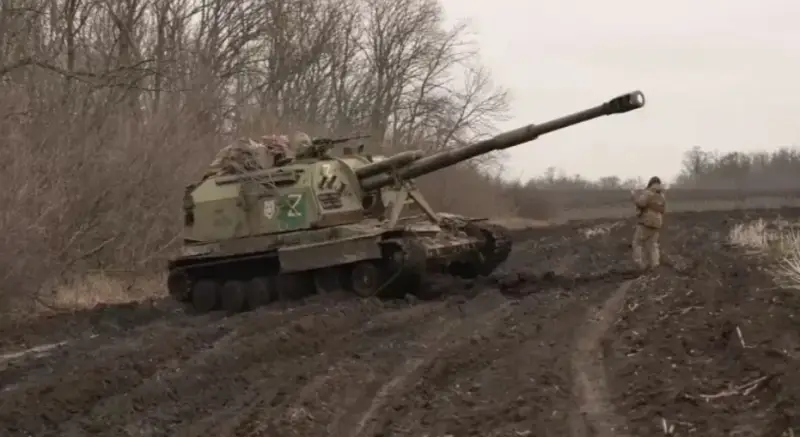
{"x":564,"y":341}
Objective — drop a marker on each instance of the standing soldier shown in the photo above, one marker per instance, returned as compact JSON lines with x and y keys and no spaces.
{"x":651,"y":204}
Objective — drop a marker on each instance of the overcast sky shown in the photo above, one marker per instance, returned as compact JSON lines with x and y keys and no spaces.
{"x":720,"y":74}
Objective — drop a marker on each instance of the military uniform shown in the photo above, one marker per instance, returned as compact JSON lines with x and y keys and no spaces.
{"x":246,"y":155}
{"x":651,"y":204}
{"x":299,"y":143}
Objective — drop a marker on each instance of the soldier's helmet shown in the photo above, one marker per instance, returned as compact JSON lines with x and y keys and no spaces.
{"x":278,"y":147}
{"x":300,"y":141}
{"x":653,"y":181}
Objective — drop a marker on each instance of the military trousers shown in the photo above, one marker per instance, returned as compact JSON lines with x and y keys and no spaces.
{"x":645,"y":247}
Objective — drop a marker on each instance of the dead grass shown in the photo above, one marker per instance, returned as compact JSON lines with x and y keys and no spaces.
{"x":778,"y":242}
{"x":85,"y":292}
{"x":100,"y":288}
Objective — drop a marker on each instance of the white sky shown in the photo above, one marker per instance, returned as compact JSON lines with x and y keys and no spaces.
{"x":720,"y":74}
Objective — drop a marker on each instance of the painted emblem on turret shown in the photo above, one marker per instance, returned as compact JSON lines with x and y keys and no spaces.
{"x":269,"y":208}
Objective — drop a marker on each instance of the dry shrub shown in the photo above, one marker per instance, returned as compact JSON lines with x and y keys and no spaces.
{"x":100,"y":288}
{"x":531,"y":202}
{"x":777,"y":241}
{"x":92,"y":191}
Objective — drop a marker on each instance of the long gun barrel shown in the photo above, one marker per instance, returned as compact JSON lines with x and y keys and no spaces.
{"x":320,"y":146}
{"x":394,"y":161}
{"x":334,"y":141}
{"x":618,"y":105}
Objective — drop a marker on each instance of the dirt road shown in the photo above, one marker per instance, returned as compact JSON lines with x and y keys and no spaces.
{"x":561,"y":342}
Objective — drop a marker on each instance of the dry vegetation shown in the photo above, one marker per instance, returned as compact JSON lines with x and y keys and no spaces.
{"x":109,"y":108}
{"x":778,"y":241}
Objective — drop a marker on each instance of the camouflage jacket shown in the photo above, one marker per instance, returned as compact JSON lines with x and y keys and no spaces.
{"x":651,"y":205}
{"x":247,"y":155}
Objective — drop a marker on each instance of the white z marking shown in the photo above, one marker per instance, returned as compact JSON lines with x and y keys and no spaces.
{"x":294,"y":202}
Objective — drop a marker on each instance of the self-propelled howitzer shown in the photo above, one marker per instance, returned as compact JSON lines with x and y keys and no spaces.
{"x":352,"y":222}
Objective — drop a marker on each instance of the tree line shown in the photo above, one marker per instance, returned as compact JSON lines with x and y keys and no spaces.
{"x":700,"y":169}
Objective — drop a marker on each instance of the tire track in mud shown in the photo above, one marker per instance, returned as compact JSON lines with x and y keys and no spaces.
{"x":383,"y":337}
{"x":12,"y":365}
{"x":102,"y":320}
{"x":37,"y":407}
{"x":259,"y":369}
{"x":30,"y":367}
{"x":595,"y":414}
{"x":36,"y":351}
{"x":365,"y":419}
{"x":339,"y":395}
{"x":265,"y":408}
{"x":511,"y":380}
{"x":85,"y":377}
{"x":186,"y":389}
{"x":497,"y":380}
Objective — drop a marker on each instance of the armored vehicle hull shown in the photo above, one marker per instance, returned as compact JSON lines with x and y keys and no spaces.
{"x":324,"y":223}
{"x":367,"y":260}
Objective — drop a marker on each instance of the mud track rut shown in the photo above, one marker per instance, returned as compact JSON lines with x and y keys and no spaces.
{"x":595,"y":415}
{"x":543,"y":348}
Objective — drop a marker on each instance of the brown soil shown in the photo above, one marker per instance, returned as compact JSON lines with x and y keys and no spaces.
{"x":564,"y":341}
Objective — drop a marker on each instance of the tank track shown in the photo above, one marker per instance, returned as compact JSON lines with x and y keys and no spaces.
{"x":236,"y":285}
{"x":242,"y":285}
{"x":497,"y":249}
{"x":493,"y":250}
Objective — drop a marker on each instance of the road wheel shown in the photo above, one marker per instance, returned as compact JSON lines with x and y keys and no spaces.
{"x":365,"y":279}
{"x":260,"y":291}
{"x":178,"y":285}
{"x":233,"y":297}
{"x":205,"y":295}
